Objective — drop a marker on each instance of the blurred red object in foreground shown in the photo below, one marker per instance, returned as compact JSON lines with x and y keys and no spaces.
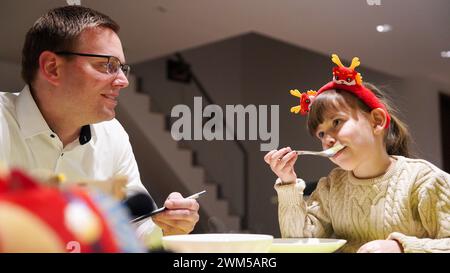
{"x":38,"y":218}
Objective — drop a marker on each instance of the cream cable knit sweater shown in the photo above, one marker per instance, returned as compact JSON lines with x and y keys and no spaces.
{"x":409,"y":203}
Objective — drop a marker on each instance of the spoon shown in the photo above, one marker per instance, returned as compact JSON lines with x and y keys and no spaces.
{"x":326,"y":153}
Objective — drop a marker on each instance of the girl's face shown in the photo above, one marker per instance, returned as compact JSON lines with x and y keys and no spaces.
{"x":353,"y":129}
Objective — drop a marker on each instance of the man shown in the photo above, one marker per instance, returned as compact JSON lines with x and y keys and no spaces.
{"x":63,"y":120}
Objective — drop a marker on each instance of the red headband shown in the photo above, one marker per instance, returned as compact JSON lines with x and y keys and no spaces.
{"x":344,"y":78}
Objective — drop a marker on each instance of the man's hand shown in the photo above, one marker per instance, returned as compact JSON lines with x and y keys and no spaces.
{"x":381,"y":246}
{"x":180,"y":216}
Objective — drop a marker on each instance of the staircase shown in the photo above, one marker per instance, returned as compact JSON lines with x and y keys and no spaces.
{"x":165,"y":165}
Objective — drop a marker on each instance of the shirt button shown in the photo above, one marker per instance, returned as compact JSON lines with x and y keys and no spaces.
{"x":52,"y":135}
{"x":62,"y":154}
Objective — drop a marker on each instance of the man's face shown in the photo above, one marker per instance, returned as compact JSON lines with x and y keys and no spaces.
{"x":87,"y":91}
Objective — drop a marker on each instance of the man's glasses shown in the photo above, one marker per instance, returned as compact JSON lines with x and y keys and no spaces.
{"x":112,"y":66}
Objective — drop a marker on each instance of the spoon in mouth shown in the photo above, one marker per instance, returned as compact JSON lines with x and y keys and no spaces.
{"x":326,"y":153}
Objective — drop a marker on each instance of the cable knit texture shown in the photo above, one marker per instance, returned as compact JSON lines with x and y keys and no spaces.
{"x":410,"y":203}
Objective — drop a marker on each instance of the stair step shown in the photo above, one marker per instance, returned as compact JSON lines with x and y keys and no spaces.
{"x":153,"y":126}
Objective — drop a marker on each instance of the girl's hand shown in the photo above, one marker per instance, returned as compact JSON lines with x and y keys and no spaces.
{"x":381,"y":246}
{"x":282,"y":163}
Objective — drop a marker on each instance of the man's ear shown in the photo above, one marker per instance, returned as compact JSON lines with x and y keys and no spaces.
{"x":378,"y":118}
{"x":49,"y":67}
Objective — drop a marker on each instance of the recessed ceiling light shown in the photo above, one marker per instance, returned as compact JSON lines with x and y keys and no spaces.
{"x":384,"y":28}
{"x":73,"y":2}
{"x":445,"y":54}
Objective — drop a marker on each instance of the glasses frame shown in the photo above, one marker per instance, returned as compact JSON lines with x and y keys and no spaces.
{"x":124,"y":67}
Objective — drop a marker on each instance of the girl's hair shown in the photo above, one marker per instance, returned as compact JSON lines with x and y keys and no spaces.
{"x":397,"y":137}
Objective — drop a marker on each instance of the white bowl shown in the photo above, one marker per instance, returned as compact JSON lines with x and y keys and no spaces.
{"x":218,"y":243}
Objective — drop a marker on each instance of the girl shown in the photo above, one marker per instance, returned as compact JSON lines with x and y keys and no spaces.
{"x":378,"y":199}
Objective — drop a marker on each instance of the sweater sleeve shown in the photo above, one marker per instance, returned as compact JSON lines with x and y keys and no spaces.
{"x":298,"y":218}
{"x":434,"y":213}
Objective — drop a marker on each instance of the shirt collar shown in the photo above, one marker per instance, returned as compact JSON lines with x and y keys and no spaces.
{"x":31,"y":121}
{"x":85,"y":134}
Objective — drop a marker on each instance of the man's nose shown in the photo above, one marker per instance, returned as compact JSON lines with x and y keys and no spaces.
{"x":121,"y":80}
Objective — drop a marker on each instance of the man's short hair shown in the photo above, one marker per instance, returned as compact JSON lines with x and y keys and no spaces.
{"x":58,"y":30}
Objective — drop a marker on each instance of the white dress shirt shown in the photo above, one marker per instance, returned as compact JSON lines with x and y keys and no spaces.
{"x":102,"y":151}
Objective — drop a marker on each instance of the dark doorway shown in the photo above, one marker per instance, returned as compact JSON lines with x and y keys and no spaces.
{"x":444,"y":103}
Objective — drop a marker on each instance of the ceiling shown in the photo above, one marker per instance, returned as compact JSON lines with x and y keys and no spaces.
{"x":153,"y":28}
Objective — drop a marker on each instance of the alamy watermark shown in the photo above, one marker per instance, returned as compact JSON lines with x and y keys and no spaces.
{"x":189,"y":126}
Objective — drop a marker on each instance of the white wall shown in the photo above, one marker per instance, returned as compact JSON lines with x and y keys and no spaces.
{"x":10,"y":80}
{"x":420,"y":108}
